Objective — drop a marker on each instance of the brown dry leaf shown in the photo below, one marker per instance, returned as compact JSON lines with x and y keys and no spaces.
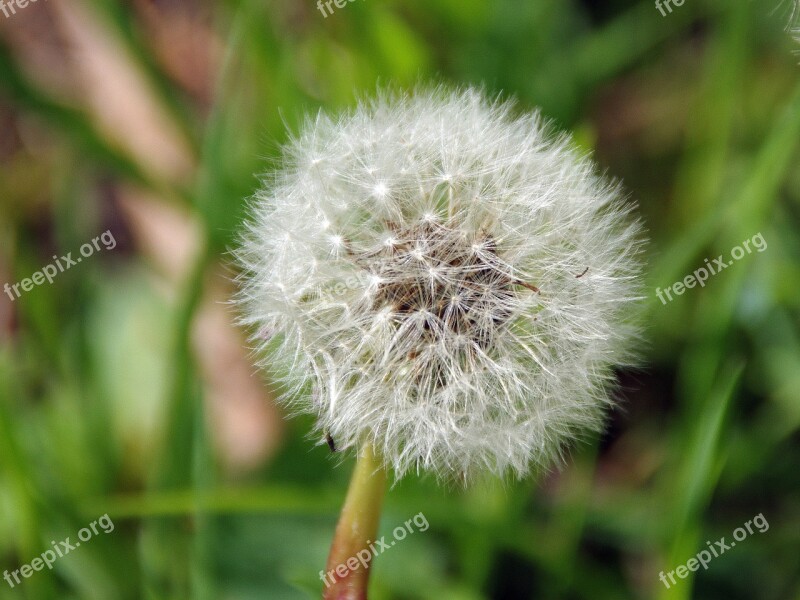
{"x":244,"y":421}
{"x":119,"y":96}
{"x":247,"y":428}
{"x":167,"y":235}
{"x":185,"y":44}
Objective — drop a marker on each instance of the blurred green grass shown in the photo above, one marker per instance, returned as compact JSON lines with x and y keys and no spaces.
{"x":104,"y":397}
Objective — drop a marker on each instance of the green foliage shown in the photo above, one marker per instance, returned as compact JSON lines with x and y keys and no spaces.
{"x":104,"y":401}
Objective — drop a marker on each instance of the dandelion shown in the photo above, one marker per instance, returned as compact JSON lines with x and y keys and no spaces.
{"x":448,"y":284}
{"x":791,"y":10}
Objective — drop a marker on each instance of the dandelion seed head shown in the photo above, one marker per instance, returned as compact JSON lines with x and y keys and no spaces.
{"x":442,"y":322}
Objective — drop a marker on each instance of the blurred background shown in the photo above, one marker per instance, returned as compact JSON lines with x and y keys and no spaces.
{"x":126,"y":390}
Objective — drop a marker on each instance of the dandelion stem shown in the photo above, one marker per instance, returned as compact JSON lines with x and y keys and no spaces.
{"x":356,"y":530}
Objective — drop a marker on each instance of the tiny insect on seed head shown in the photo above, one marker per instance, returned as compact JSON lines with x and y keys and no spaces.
{"x":331,"y":443}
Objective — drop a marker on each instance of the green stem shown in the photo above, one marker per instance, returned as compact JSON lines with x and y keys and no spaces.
{"x":350,"y":558}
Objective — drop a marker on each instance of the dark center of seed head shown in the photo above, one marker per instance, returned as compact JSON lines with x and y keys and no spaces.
{"x":455,"y":280}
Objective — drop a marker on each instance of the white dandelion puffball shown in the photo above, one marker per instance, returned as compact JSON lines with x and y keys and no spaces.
{"x":794,"y":22}
{"x":436,"y":277}
{"x":791,"y":8}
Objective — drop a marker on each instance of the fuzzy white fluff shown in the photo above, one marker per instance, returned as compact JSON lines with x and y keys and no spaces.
{"x":794,"y":20}
{"x":439,"y":278}
{"x":791,"y":8}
